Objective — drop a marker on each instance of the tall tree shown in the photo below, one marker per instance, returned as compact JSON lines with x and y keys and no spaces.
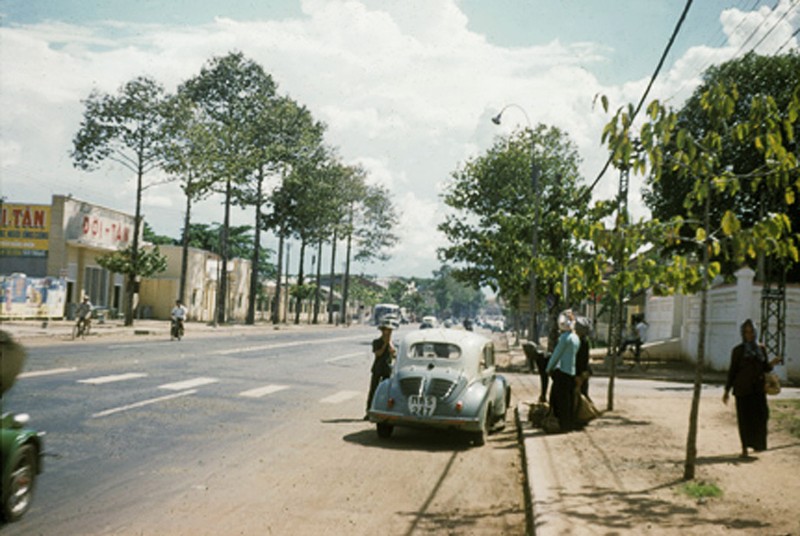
{"x":492,"y":216}
{"x":188,"y":156}
{"x":232,"y":93}
{"x":128,"y":129}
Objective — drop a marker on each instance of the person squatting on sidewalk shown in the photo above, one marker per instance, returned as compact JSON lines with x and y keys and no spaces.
{"x":562,"y":367}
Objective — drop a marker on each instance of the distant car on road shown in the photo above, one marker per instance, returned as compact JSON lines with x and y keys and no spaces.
{"x":443,"y":379}
{"x":428,"y":322}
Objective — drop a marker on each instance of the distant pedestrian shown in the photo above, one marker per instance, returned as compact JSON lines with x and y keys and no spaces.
{"x":748,"y":365}
{"x":384,"y":351}
{"x":562,"y":368}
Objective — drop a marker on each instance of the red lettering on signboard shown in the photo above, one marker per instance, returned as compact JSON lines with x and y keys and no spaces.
{"x":38,"y":219}
{"x":86,"y":225}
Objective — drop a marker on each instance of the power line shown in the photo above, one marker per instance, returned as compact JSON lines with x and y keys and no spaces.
{"x":797,"y":31}
{"x":788,"y":10}
{"x":650,"y":84}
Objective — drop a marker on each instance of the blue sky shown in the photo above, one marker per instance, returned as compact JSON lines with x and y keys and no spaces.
{"x":406,"y":87}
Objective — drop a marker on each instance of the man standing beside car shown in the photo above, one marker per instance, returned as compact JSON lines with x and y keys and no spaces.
{"x":384,"y":351}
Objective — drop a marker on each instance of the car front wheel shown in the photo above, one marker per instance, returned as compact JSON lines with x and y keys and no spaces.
{"x":18,"y":494}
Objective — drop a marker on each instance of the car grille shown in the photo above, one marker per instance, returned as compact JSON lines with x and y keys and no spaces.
{"x":411,"y":386}
{"x":440,"y":388}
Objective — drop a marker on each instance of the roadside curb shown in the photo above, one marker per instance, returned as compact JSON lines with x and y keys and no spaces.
{"x":526,"y":478}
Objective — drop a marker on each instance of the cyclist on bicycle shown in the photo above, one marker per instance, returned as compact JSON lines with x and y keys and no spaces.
{"x":639,"y":337}
{"x":84,"y":314}
{"x":178,"y":314}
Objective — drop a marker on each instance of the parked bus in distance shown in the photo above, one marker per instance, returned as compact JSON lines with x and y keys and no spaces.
{"x":383,"y":309}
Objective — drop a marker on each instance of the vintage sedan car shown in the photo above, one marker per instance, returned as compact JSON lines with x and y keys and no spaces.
{"x":20,"y":446}
{"x":443,"y":378}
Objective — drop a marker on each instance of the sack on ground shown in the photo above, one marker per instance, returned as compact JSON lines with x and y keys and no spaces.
{"x":772,"y":384}
{"x":537,"y":412}
{"x":586,"y":410}
{"x":550,"y":423}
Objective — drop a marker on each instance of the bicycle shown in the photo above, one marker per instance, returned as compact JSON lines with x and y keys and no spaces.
{"x":629,"y":356}
{"x":81,"y":328}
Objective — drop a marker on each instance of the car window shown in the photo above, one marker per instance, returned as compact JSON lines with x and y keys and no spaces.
{"x":435,"y":350}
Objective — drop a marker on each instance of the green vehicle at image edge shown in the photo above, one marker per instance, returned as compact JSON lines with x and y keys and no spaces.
{"x":20,"y":446}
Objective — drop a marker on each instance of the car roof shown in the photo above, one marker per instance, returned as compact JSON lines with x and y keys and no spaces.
{"x":470,"y":343}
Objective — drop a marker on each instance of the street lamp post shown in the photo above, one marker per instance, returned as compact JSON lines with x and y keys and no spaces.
{"x":533,"y":332}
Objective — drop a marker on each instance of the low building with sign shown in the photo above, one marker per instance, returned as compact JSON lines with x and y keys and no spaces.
{"x":62,"y":242}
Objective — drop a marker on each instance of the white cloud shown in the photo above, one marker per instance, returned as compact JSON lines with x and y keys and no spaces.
{"x":406,"y":88}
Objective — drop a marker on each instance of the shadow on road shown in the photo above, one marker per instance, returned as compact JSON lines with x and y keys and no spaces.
{"x":411,"y":439}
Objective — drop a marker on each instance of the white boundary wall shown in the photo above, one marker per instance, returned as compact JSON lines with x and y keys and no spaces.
{"x":728,"y":307}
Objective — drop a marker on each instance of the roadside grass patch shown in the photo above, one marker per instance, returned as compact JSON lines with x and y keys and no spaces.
{"x":787,"y":415}
{"x":700,"y":490}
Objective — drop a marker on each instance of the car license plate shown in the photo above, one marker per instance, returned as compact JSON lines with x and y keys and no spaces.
{"x":421,"y":405}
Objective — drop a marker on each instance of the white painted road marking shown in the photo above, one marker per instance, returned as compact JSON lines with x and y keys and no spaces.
{"x":50,"y":372}
{"x":342,"y":357}
{"x":188,"y":384}
{"x":341,"y":396}
{"x":275,"y":346}
{"x":114,"y":378}
{"x":142,"y":403}
{"x":263,"y":391}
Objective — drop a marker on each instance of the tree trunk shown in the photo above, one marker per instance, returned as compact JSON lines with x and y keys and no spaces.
{"x":137,"y":222}
{"x":222,"y":296}
{"x":276,"y":307}
{"x":318,"y":289}
{"x":185,"y":249}
{"x":691,"y":439}
{"x":254,"y":279}
{"x":300,"y":274}
{"x":288,"y":292}
{"x":346,"y":284}
{"x":332,"y":281}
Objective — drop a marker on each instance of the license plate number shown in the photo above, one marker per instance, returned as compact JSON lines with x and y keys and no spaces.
{"x":421,"y":406}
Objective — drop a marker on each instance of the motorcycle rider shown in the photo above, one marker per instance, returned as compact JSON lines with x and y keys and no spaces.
{"x":178,"y":314}
{"x":84,"y":314}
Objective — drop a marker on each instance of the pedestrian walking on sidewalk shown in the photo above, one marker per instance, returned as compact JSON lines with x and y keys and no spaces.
{"x":384,"y":351}
{"x":562,"y":368}
{"x":748,"y":365}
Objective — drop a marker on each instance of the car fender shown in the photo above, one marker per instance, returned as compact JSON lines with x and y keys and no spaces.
{"x":380,"y":399}
{"x":501,"y":394}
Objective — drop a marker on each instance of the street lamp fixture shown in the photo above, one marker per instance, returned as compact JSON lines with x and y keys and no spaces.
{"x":533,"y":331}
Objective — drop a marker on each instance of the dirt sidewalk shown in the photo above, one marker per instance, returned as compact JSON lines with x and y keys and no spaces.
{"x":622,"y":473}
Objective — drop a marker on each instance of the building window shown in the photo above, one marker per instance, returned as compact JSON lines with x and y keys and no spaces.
{"x":95,"y":285}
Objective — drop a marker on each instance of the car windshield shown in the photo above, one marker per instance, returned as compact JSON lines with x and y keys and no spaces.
{"x":438,"y":350}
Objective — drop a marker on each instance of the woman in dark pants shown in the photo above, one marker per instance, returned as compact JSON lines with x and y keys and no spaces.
{"x":746,"y":377}
{"x":562,"y":366}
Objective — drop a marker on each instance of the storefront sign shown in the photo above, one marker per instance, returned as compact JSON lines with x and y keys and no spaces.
{"x":98,"y":227}
{"x":24,"y":230}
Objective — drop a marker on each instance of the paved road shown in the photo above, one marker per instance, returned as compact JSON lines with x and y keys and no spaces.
{"x":255,"y":434}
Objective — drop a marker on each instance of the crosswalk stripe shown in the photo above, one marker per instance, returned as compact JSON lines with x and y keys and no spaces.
{"x":343,"y":357}
{"x":142,"y":403}
{"x":263,"y":391}
{"x":275,"y":346}
{"x":341,"y":396}
{"x":49,"y":372}
{"x":114,"y":378}
{"x":188,"y":384}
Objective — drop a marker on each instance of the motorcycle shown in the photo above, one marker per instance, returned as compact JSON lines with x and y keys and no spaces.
{"x":176,"y":329}
{"x":20,"y":446}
